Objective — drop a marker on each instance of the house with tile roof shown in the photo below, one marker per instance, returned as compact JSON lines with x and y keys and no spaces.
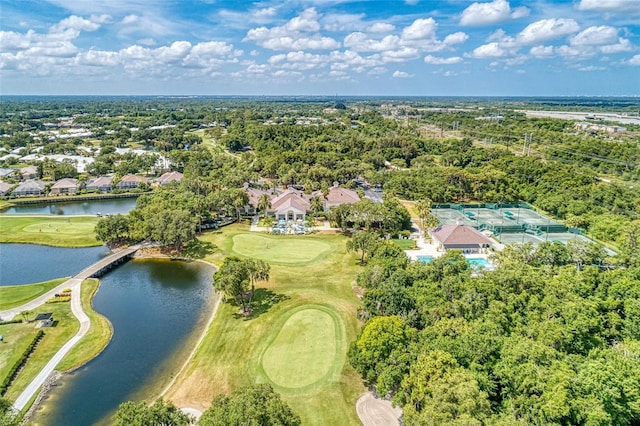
{"x":5,"y":188}
{"x":170,"y":177}
{"x":29,"y":187}
{"x":290,"y":205}
{"x":100,"y":184}
{"x":65,"y":186}
{"x":460,"y":237}
{"x":131,"y":181}
{"x":337,"y":196}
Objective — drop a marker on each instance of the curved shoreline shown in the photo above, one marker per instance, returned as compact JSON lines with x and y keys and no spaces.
{"x":51,"y":379}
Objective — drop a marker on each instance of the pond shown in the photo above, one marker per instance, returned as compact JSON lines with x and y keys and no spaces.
{"x":30,"y":263}
{"x":88,"y":207}
{"x":158,"y":309}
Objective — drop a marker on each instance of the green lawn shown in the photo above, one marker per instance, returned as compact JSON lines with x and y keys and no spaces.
{"x":15,"y":336}
{"x":98,"y":336}
{"x":281,"y":250}
{"x":405,"y":244}
{"x":16,"y":295}
{"x":304,"y":319}
{"x":71,"y":231}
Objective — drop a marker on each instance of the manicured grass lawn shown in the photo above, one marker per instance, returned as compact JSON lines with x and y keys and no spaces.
{"x":303,"y":351}
{"x":16,"y":295}
{"x":16,"y":335}
{"x":71,"y":231}
{"x":98,"y":336}
{"x":405,"y":244}
{"x":280,"y":249}
{"x":297,"y":339}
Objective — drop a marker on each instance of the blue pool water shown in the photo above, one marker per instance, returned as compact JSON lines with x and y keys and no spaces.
{"x":475,"y":262}
{"x":479,"y":262}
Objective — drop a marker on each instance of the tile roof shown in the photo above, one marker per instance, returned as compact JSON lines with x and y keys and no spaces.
{"x":455,"y":234}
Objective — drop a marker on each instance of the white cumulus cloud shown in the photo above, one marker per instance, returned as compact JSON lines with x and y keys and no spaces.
{"x":429,"y":59}
{"x":595,"y":36}
{"x":491,"y":13}
{"x":401,"y":74}
{"x":420,"y":29}
{"x":547,"y":29}
{"x":611,"y":6}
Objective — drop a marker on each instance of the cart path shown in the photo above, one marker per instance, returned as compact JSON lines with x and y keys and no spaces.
{"x":75,"y":284}
{"x":76,"y":307}
{"x":89,"y":271}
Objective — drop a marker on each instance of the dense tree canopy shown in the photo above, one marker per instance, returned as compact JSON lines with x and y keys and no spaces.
{"x":542,"y":339}
{"x":256,"y":405}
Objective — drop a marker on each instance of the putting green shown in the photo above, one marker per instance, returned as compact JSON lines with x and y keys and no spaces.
{"x":60,"y":227}
{"x":284,"y":250}
{"x":304,"y":350}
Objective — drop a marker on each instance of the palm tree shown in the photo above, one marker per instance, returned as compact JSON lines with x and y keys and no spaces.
{"x":264,"y":203}
{"x":316,"y":205}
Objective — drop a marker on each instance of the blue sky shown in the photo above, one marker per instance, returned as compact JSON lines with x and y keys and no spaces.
{"x":321,"y":47}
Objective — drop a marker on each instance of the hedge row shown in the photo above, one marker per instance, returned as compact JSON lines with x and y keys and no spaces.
{"x":20,"y":363}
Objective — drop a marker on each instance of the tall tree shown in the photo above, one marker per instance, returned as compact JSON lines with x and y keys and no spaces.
{"x":362,"y":242}
{"x":257,"y":405}
{"x":160,"y":413}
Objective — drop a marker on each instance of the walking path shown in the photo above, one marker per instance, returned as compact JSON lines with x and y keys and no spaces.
{"x":75,"y":284}
{"x":85,"y":273}
{"x":85,"y":323}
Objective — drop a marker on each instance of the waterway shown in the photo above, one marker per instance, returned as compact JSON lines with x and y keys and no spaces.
{"x":88,"y":207}
{"x":157,"y":308}
{"x":31,"y":263}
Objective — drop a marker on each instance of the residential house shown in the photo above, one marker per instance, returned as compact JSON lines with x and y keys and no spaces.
{"x":131,"y":181}
{"x":29,"y":187}
{"x":4,"y":188}
{"x":170,"y":177}
{"x":460,"y":237}
{"x":5,"y":172}
{"x":29,"y":172}
{"x":100,"y":184}
{"x":65,"y":186}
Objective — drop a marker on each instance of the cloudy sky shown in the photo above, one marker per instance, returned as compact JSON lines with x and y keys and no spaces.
{"x":320,"y":47}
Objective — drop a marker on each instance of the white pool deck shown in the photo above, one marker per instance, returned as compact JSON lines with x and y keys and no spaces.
{"x":427,"y":248}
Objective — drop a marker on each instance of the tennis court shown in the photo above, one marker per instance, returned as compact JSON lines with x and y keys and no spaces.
{"x":510,"y":223}
{"x":503,"y":216}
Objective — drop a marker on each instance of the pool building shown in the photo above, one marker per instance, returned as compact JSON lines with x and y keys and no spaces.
{"x":460,"y":237}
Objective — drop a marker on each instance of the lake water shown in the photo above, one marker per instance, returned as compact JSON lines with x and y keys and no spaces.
{"x":157,"y":308}
{"x":30,"y":263}
{"x":89,"y":207}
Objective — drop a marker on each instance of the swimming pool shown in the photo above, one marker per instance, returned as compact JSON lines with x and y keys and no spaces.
{"x":475,"y":262}
{"x":479,"y":262}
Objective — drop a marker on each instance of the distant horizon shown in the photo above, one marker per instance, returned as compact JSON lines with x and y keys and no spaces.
{"x":483,"y":48}
{"x":319,"y":96}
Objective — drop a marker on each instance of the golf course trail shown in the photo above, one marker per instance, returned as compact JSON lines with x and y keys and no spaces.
{"x":376,"y":411}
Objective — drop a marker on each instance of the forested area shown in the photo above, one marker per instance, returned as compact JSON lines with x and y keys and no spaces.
{"x":542,"y":339}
